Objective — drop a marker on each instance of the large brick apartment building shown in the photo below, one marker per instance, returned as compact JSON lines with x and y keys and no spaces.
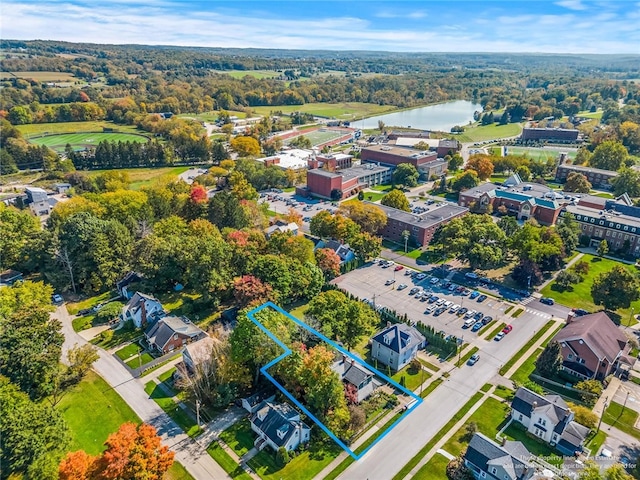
{"x":347,"y":181}
{"x":597,"y":177}
{"x":420,"y":226}
{"x":563,"y":135}
{"x":426,"y":162}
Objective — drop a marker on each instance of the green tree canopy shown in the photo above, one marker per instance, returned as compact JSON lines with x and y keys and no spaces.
{"x":550,"y":360}
{"x":577,"y":182}
{"x":609,"y":155}
{"x":616,"y":288}
{"x":406,"y":175}
{"x":627,"y":181}
{"x":465,"y":181}
{"x":396,"y":199}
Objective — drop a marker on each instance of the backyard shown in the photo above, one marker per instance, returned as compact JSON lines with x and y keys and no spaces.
{"x":580,"y":295}
{"x":411,"y":378}
{"x":303,"y":466}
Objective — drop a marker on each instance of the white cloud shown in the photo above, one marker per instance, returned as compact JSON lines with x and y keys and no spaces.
{"x":572,"y":4}
{"x":401,"y":13}
{"x":165,"y":22}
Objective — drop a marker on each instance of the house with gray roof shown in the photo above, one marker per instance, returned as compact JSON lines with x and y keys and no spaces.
{"x":142,"y":310}
{"x":197,"y":353}
{"x":488,"y":460}
{"x":396,"y":345}
{"x":278,"y":425}
{"x":172,"y":333}
{"x":357,"y":375}
{"x":549,"y":418}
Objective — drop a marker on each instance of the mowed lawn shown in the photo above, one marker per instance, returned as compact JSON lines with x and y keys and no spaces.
{"x":580,"y":296}
{"x":41,"y":76}
{"x":93,"y":410}
{"x":259,"y":74}
{"x":140,"y":177}
{"x":304,"y":466}
{"x":540,"y":154}
{"x":344,"y":109}
{"x":489,"y":132}
{"x":73,"y":127}
{"x":58,"y":142}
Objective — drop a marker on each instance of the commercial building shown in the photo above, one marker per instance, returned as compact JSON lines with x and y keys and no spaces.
{"x":294,"y":159}
{"x":422,"y":226}
{"x":563,"y":135}
{"x":344,"y":183}
{"x":597,"y":177}
{"x":426,"y":162}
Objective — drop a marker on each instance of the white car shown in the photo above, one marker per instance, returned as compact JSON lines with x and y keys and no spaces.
{"x":391,"y":281}
{"x":434,"y":280}
{"x":470,"y":314}
{"x":454,"y":308}
{"x":447,"y":304}
{"x":402,"y":286}
{"x":420,"y":276}
{"x":414,"y":290}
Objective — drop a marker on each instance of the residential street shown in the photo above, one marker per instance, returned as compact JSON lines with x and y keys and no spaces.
{"x":191,"y":454}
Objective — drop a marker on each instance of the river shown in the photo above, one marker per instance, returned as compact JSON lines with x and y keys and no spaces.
{"x":439,"y":117}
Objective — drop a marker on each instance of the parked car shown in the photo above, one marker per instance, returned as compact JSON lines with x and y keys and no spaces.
{"x":414,"y":290}
{"x":580,"y":312}
{"x":487,"y":320}
{"x":499,"y":336}
{"x":408,"y":272}
{"x":453,"y":287}
{"x":439,"y":311}
{"x":454,"y":308}
{"x":478,"y":316}
{"x":465,"y":292}
{"x":468,"y":322}
{"x":470,"y":313}
{"x":507,"y":329}
{"x":391,"y":281}
{"x":547,"y":301}
{"x":462,"y":311}
{"x":433,"y":299}
{"x":421,"y":275}
{"x":402,"y":286}
{"x":477,"y":326}
{"x":474,"y":294}
{"x":429,"y":309}
{"x":57,"y":299}
{"x":398,"y":268}
{"x":434,"y":280}
{"x":473,"y":359}
{"x":481,"y":298}
{"x":471,"y":275}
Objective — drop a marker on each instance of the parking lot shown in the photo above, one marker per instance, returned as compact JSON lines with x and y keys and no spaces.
{"x":281,"y":202}
{"x":386,"y":288}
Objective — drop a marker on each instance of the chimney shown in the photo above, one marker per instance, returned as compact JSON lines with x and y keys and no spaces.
{"x":143,"y":313}
{"x":388,"y":324}
{"x":570,"y":317}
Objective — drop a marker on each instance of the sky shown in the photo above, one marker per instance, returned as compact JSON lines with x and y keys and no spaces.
{"x":561,"y":26}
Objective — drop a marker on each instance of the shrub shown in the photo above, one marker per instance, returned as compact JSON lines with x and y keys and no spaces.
{"x":106,"y":336}
{"x":414,"y":366}
{"x":282,"y":457}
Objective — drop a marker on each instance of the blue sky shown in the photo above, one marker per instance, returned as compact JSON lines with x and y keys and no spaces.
{"x":562,"y":26}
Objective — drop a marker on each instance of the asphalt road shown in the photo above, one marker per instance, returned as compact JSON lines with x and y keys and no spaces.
{"x":191,"y":454}
{"x":392,"y":452}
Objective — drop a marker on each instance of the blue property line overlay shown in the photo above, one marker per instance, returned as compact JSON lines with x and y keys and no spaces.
{"x":287,"y":351}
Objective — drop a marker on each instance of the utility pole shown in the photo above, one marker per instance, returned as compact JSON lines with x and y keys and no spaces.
{"x":198,"y":413}
{"x":602,"y":414}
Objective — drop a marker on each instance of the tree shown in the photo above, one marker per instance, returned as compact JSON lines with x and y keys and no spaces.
{"x":581,"y":268}
{"x":134,"y":451}
{"x":245,"y":146}
{"x":457,"y":470}
{"x":370,"y":218}
{"x":577,"y":182}
{"x":616,"y":288}
{"x":569,"y":231}
{"x":455,"y":162}
{"x":550,"y":360}
{"x":380,"y":125}
{"x":282,"y":457}
{"x":603,"y":248}
{"x":396,"y":199}
{"x":80,"y":359}
{"x":584,"y":416}
{"x":509,"y":225}
{"x":19,"y":240}
{"x":465,"y":181}
{"x":328,"y":261}
{"x":524,"y":173}
{"x":34,"y":435}
{"x":301,"y":141}
{"x":481,"y":164}
{"x":249,"y":290}
{"x":406,"y":175}
{"x":566,"y":279}
{"x":609,"y":155}
{"x":627,"y":181}
{"x":590,"y":391}
{"x":527,"y":273}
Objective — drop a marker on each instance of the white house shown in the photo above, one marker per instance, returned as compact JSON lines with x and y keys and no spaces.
{"x":550,"y":419}
{"x":142,"y":310}
{"x":278,"y":425}
{"x":396,"y":345}
{"x":198,"y":352}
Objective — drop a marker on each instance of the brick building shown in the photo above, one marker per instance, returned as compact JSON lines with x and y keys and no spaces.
{"x":448,"y":147}
{"x":597,"y":177}
{"x":420,"y":226}
{"x":426,"y":162}
{"x":564,"y":135}
{"x":522,"y":200}
{"x":348,"y":181}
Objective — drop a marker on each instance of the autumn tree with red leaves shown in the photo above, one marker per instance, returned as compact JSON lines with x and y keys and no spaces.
{"x":249,"y":290}
{"x":133,"y":452}
{"x":328,"y":261}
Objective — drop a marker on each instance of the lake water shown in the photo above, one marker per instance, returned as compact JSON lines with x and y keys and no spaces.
{"x":439,"y":117}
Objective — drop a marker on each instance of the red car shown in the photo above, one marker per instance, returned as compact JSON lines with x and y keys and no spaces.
{"x":398,"y":268}
{"x":507,"y":329}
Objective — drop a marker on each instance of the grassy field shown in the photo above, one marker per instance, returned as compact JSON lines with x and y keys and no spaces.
{"x":345,"y":110}
{"x":482,"y":133}
{"x":72,"y":127}
{"x":580,"y":296}
{"x":540,"y":154}
{"x":58,"y":142}
{"x":595,"y":115}
{"x":177,"y":472}
{"x":139,"y":360}
{"x":93,"y":410}
{"x":412,"y":379}
{"x":227,"y":463}
{"x":259,"y":74}
{"x":303,"y":467}
{"x":527,"y":368}
{"x":239,"y":437}
{"x":140,"y":177}
{"x":318,"y":137}
{"x":40,"y":76}
{"x":622,"y":418}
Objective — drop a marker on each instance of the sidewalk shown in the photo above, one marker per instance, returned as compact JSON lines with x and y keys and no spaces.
{"x":553,"y":277}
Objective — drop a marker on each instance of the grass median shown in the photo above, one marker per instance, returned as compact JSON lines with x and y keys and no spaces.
{"x":495,"y":331}
{"x":466,"y":357}
{"x":507,"y":366}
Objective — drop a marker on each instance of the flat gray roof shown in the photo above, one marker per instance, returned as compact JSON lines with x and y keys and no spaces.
{"x":580,"y":168}
{"x":356,"y":171}
{"x":401,"y":151}
{"x":433,"y":216}
{"x":606,"y":215}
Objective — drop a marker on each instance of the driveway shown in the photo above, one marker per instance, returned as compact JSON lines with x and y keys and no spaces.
{"x":192,"y":173}
{"x":191,"y":454}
